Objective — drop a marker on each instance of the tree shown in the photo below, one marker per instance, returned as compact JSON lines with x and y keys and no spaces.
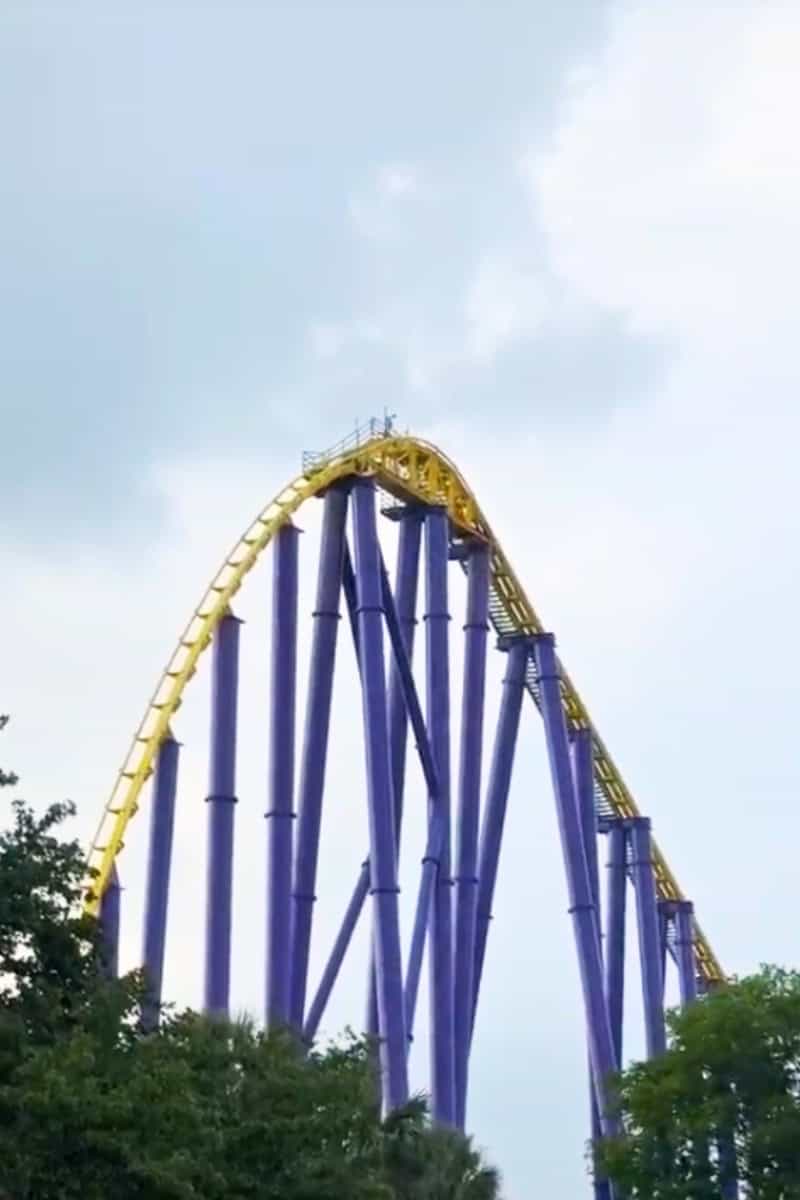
{"x":424,"y":1162}
{"x":722,"y":1103}
{"x":92,"y":1106}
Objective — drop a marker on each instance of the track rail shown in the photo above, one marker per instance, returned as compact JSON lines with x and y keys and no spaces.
{"x":409,"y":469}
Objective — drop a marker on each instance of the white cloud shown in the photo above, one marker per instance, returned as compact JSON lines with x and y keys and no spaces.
{"x":380,"y":209}
{"x":504,"y":302}
{"x":397,"y":179}
{"x":671,"y":188}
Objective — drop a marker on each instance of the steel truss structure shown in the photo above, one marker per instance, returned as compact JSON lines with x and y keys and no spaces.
{"x":440,"y":523}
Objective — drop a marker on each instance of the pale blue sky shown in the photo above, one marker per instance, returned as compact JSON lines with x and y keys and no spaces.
{"x":561,"y":241}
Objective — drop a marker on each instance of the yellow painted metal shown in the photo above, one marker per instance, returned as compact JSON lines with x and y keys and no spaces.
{"x":410,"y":469}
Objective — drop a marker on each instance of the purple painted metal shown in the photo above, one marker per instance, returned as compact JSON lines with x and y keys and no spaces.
{"x":582,"y":907}
{"x":383,"y":859}
{"x":496,"y":802}
{"x":110,"y":905}
{"x":469,"y":790}
{"x":315,"y":748}
{"x":281,"y":775}
{"x":440,"y":958}
{"x":684,"y":951}
{"x":162,"y":820}
{"x":413,"y":708}
{"x":666,"y":911}
{"x":430,"y":862}
{"x":649,"y":950}
{"x":221,"y":805}
{"x":405,"y":604}
{"x":427,"y":884}
{"x":406,"y":579}
{"x":615,"y":930}
{"x":334,"y":963}
{"x":583,"y":767}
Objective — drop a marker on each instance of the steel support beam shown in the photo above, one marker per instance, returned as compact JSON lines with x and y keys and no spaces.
{"x":440,"y":958}
{"x":666,"y":909}
{"x":334,"y":963}
{"x":162,"y":822}
{"x":110,"y":905}
{"x":405,"y":605}
{"x":494,"y":814}
{"x":615,"y":930}
{"x":430,"y":862}
{"x":221,"y":804}
{"x":315,"y":746}
{"x":582,"y":909}
{"x":684,"y":951}
{"x":649,"y":948}
{"x":583,"y":767}
{"x":280,"y":814}
{"x":427,"y":885}
{"x":383,"y":858}
{"x":469,"y":790}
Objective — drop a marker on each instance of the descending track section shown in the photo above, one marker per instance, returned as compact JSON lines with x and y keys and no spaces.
{"x":440,"y":522}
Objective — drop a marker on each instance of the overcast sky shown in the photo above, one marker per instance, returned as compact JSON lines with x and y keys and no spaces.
{"x":561,"y":241}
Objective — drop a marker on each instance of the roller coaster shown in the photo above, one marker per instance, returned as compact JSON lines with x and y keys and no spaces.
{"x":377,"y":473}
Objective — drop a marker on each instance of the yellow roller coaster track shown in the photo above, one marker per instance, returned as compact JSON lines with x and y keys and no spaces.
{"x":409,"y":469}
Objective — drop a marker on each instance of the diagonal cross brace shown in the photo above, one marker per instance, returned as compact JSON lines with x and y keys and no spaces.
{"x":400,"y":653}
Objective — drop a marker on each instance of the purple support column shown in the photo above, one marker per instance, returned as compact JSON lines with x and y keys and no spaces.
{"x":684,"y":951}
{"x":315,"y":748}
{"x":221,"y":801}
{"x":383,"y":859}
{"x":109,"y":924}
{"x":496,"y":802}
{"x":583,"y":761}
{"x":582,"y":907}
{"x":649,"y":950}
{"x":666,"y":910}
{"x":334,"y":963}
{"x":403,"y":701}
{"x":427,"y":885}
{"x":405,"y":599}
{"x":162,"y":820}
{"x":615,"y":931}
{"x":469,"y":789}
{"x":281,"y":775}
{"x":440,"y":958}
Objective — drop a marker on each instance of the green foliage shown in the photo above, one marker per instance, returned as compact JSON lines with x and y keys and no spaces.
{"x":424,"y":1163}
{"x":92,"y":1107}
{"x":725,"y":1095}
{"x":6,"y":777}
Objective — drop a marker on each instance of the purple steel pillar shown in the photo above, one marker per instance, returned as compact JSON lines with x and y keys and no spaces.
{"x":281,"y":775}
{"x":440,"y":957}
{"x":333,"y":965}
{"x":383,"y":858}
{"x":405,"y":594}
{"x":584,"y":917}
{"x":615,"y":931}
{"x":428,"y":875}
{"x":583,"y":760}
{"x":315,"y":748}
{"x":162,"y":820}
{"x":469,"y":790}
{"x":496,"y":801}
{"x":221,"y":801}
{"x":109,"y":924}
{"x":666,"y":910}
{"x":649,"y":949}
{"x":684,"y":951}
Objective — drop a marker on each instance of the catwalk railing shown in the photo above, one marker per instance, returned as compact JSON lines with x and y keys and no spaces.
{"x":439,"y":522}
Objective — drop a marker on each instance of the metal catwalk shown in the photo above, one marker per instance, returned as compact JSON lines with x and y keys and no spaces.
{"x":440,"y":528}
